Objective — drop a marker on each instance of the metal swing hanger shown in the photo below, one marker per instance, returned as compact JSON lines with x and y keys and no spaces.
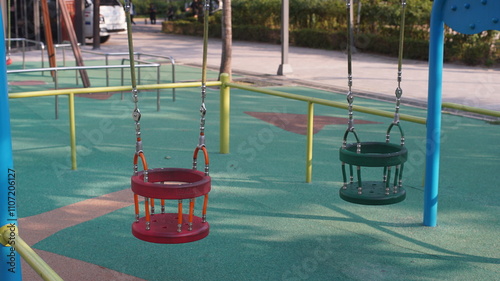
{"x":398,"y":91}
{"x":136,"y":113}
{"x":203,"y":109}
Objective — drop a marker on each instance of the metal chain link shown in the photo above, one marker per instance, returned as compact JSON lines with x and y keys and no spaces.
{"x":350,"y":99}
{"x":136,"y":113}
{"x":203,"y":112}
{"x":203,"y":108}
{"x":399,"y":90}
{"x":350,"y":96}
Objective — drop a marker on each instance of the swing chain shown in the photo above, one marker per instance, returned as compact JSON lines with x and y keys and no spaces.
{"x":399,"y":91}
{"x":203,"y":111}
{"x":350,"y":95}
{"x":136,"y":115}
{"x":203,"y":108}
{"x":350,"y":123}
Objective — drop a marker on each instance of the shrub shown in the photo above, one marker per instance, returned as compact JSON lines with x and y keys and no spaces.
{"x":323,"y":23}
{"x":256,"y":33}
{"x":476,"y":54}
{"x":322,"y":39}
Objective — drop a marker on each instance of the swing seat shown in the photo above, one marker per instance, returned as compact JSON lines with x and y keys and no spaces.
{"x":173,"y":184}
{"x":373,"y":154}
{"x":163,"y":229}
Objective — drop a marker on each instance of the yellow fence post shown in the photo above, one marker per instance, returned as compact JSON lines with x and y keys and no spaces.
{"x":72,"y":129}
{"x":309,"y":145}
{"x":225,"y":85}
{"x":225,"y":111}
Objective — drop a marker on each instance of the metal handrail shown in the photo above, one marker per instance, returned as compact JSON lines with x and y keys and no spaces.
{"x":225,"y":109}
{"x":106,"y":55}
{"x":224,"y":132}
{"x":461,"y":107}
{"x":23,"y":49}
{"x":106,"y":58}
{"x":378,"y":112}
{"x":56,"y":80}
{"x":139,"y":78}
{"x":63,"y":47}
{"x":139,"y":71}
{"x":138,"y":54}
{"x":71,"y":101}
{"x":56,"y":69}
{"x":172,"y":62}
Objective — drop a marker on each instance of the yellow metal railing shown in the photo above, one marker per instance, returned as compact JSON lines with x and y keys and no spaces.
{"x":9,"y":237}
{"x":225,"y":111}
{"x":71,"y":102}
{"x":8,"y":233}
{"x":461,"y":107}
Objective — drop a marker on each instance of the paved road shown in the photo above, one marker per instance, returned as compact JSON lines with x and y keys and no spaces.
{"x":372,"y":74}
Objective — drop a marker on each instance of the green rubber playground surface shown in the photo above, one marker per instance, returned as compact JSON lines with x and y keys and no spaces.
{"x":266,"y":223}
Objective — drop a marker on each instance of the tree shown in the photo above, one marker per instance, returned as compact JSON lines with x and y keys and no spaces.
{"x":227,"y":39}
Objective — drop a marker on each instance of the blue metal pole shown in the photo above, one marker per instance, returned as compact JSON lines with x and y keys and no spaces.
{"x":10,"y":262}
{"x":436,"y":49}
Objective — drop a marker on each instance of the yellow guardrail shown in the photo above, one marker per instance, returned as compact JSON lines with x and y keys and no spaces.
{"x":461,"y":107}
{"x":71,"y":101}
{"x":9,"y":237}
{"x":225,"y":111}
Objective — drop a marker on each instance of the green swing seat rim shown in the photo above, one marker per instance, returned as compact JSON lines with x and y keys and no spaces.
{"x":374,"y":154}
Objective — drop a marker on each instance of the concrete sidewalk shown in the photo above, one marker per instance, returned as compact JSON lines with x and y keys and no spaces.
{"x":372,"y":74}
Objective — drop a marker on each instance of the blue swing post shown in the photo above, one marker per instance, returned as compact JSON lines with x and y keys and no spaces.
{"x":10,"y":261}
{"x":467,"y":17}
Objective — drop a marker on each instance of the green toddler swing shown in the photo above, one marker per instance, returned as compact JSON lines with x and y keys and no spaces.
{"x":385,"y":155}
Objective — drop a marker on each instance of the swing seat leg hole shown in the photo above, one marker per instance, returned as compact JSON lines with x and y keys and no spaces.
{"x":371,"y":193}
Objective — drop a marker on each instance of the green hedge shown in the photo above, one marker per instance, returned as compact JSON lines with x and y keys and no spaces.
{"x":310,"y":38}
{"x":375,"y":15}
{"x":316,"y":38}
{"x":322,"y":24}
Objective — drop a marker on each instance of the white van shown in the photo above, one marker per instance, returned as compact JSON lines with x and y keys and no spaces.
{"x":111,"y":19}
